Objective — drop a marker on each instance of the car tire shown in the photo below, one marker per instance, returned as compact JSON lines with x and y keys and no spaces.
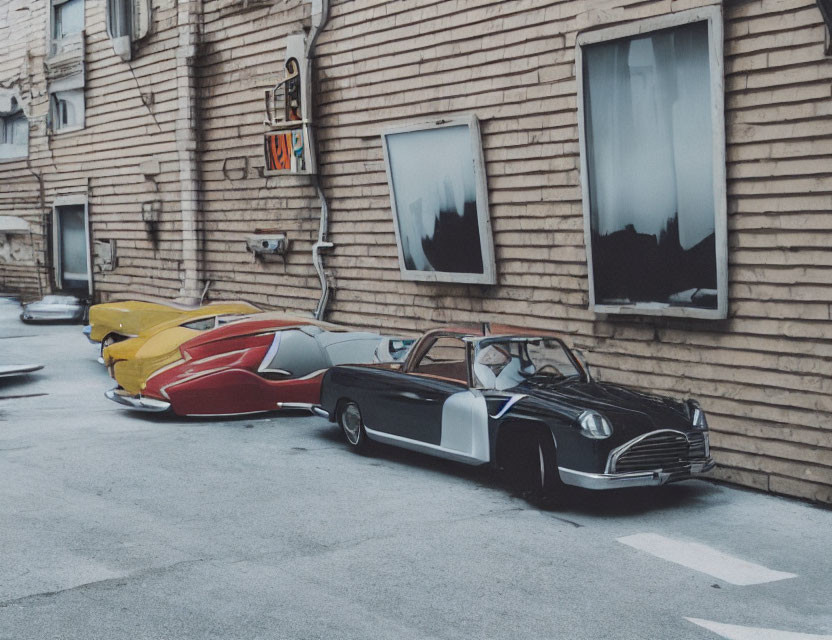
{"x":352,"y":426}
{"x":106,"y":341}
{"x":543,"y":484}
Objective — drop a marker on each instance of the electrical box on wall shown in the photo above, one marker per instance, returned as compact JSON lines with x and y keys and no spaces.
{"x":261,"y":244}
{"x":105,"y":255}
{"x":287,"y":145}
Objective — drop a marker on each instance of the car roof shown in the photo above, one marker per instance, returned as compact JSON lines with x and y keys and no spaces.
{"x":493,"y":331}
{"x":511,"y":336}
{"x":328,"y":338}
{"x":260,"y":323}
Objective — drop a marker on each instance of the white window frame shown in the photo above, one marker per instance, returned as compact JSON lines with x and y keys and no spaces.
{"x":713,"y":16}
{"x":5,"y":117}
{"x":53,"y":111}
{"x":53,"y":39}
{"x":114,"y":7}
{"x":68,"y":201}
{"x":139,"y":16}
{"x":489,"y":271}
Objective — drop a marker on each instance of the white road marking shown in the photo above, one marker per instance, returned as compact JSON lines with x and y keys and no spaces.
{"x":736,"y":632}
{"x":702,"y":558}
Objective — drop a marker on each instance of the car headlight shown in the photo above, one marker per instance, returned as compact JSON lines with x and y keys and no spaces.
{"x":594,"y":425}
{"x":697,"y":416}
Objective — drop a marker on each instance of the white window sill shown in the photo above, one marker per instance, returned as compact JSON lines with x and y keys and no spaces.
{"x":13,"y":158}
{"x":73,"y":129}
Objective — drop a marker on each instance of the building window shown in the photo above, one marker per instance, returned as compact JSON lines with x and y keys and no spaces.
{"x":439,"y":198}
{"x":67,"y":18}
{"x":127,"y":22}
{"x":653,"y":165}
{"x":119,"y":19}
{"x":14,"y":133}
{"x":67,"y":109}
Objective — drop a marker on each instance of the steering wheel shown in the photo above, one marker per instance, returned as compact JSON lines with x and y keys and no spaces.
{"x":550,"y":367}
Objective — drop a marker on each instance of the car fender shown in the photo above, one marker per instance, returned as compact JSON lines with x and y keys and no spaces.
{"x":512,"y":424}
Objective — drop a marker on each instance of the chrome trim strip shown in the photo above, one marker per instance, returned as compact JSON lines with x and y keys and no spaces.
{"x":270,"y":354}
{"x":513,"y":400}
{"x":296,"y":406}
{"x":226,"y":415}
{"x":635,"y":479}
{"x":139,"y":403}
{"x":421,"y":447}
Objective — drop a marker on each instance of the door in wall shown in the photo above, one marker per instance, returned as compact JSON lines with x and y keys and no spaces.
{"x":72,"y":243}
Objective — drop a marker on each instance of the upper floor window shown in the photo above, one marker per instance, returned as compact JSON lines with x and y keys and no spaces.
{"x":127,"y":22}
{"x":14,"y":132}
{"x":67,"y":18}
{"x":119,"y":18}
{"x":67,"y":109}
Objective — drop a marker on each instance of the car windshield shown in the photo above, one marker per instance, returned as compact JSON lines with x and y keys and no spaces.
{"x":505,"y":363}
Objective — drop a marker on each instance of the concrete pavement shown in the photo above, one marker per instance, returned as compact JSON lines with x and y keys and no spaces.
{"x":120,"y":525}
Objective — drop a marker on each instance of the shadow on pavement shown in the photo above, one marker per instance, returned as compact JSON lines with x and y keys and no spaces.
{"x":615,"y":503}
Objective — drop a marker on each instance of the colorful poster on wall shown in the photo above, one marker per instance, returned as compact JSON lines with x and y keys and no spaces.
{"x":278,"y":149}
{"x":285,"y":151}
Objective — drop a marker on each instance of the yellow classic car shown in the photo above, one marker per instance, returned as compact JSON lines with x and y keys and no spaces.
{"x":115,"y":321}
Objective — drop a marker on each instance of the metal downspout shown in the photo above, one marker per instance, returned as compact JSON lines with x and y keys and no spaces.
{"x":320,"y":16}
{"x":188,"y":16}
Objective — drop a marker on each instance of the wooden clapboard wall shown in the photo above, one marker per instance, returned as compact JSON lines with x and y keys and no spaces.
{"x":765,"y":374}
{"x":130,"y":111}
{"x":244,"y":47}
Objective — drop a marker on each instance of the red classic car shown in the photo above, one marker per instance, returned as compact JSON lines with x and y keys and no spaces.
{"x":256,"y":365}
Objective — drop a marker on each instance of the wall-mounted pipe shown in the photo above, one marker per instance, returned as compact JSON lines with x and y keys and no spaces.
{"x":320,"y":16}
{"x":188,"y":18}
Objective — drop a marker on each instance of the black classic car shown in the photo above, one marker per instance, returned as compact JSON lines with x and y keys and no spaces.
{"x":522,"y":403}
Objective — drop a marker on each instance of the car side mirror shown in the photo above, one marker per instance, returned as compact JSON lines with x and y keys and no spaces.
{"x":582,"y":361}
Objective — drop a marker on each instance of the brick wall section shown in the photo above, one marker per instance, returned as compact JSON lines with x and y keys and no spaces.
{"x":764,"y":374}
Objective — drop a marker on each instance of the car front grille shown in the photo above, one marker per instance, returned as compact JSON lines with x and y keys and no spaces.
{"x":697,"y":445}
{"x":668,"y":451}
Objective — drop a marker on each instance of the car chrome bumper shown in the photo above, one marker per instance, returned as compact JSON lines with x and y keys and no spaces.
{"x":320,"y":411}
{"x":304,"y":406}
{"x":298,"y":406}
{"x":140,"y":403}
{"x":634,"y":479}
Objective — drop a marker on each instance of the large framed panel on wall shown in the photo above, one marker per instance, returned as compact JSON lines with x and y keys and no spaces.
{"x":652,"y":133}
{"x":439,"y":198}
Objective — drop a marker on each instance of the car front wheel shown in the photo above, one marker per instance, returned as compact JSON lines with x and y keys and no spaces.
{"x":349,"y":417}
{"x":529,"y":461}
{"x":545,"y":486}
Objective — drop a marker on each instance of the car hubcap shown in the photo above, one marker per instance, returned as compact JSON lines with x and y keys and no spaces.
{"x":351,"y":423}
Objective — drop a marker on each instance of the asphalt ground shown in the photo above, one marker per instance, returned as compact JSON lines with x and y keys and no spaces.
{"x":122,"y":525}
